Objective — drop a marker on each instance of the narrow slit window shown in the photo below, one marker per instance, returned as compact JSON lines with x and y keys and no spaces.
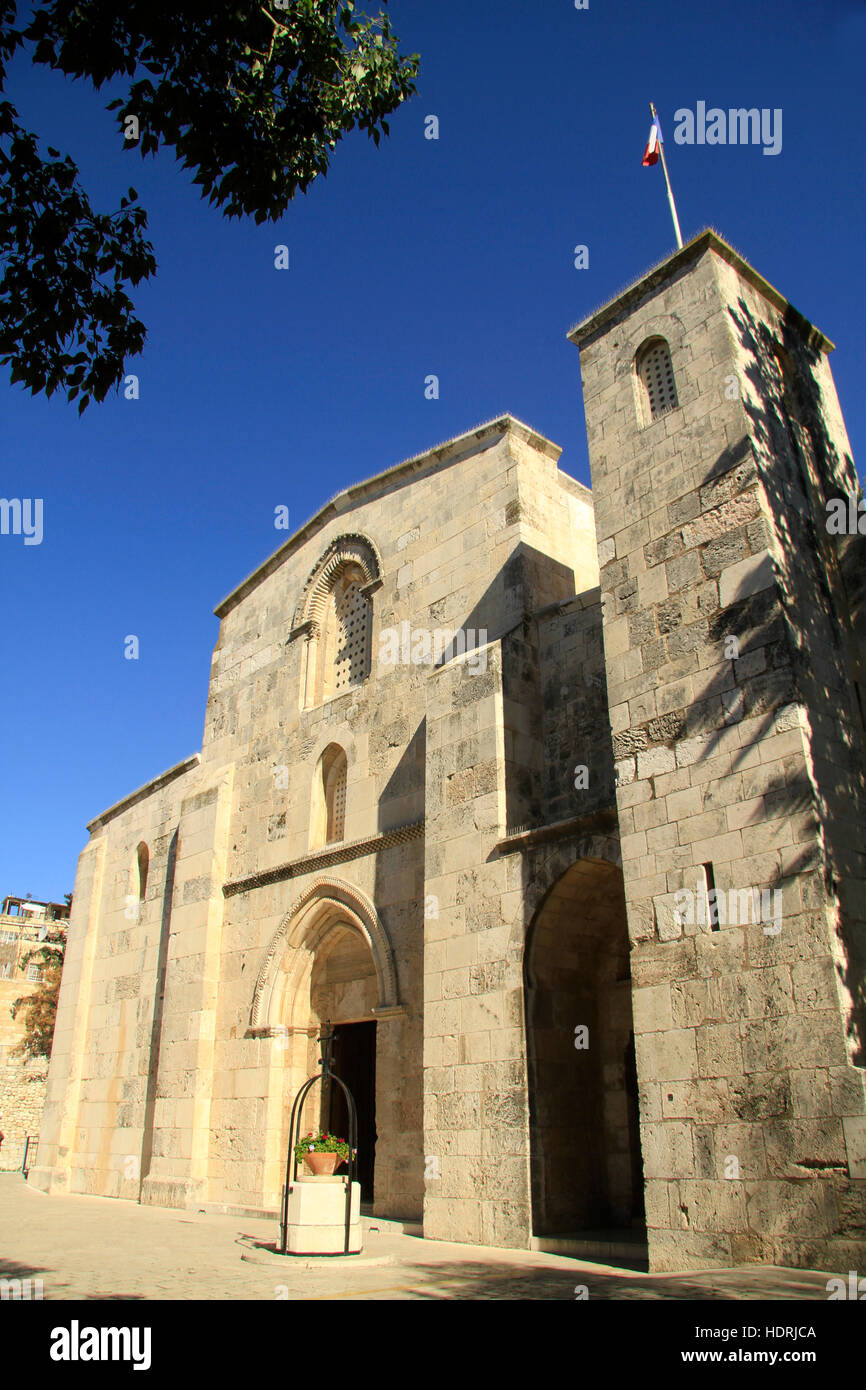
{"x":712,"y":897}
{"x":143,"y":860}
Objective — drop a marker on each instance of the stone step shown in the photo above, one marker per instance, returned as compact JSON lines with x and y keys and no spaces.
{"x":625,"y":1245}
{"x":383,"y":1224}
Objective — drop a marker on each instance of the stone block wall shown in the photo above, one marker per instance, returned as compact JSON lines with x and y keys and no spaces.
{"x":22,"y":1097}
{"x":182,"y":1043}
{"x":575,"y":725}
{"x":476,"y":1122}
{"x":99,"y":1082}
{"x":22,"y":1081}
{"x":751,"y":1110}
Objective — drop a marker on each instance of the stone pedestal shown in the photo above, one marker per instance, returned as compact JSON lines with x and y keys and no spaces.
{"x":317,"y":1216}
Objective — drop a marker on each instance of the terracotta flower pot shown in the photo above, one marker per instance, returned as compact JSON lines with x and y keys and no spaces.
{"x":321,"y":1164}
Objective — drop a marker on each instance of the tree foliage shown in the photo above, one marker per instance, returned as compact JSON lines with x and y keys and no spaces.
{"x":39,"y":1007}
{"x":252,"y":97}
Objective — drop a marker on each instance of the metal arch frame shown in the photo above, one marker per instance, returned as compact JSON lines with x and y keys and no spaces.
{"x":295,"y":1125}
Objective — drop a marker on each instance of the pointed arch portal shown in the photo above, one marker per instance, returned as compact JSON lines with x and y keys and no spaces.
{"x":330,"y":960}
{"x":327,"y":904}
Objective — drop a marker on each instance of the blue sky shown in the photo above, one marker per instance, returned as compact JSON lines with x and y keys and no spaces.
{"x":261,"y":388}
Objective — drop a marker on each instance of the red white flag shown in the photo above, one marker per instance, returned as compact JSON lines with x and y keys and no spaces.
{"x":654,"y":153}
{"x":651,"y":153}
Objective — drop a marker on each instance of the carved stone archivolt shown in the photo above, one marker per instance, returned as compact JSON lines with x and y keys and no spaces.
{"x":325,"y":904}
{"x":349,"y":549}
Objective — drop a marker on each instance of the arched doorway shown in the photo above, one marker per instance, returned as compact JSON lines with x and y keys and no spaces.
{"x":343,"y":990}
{"x":584,"y":1124}
{"x":330,"y":960}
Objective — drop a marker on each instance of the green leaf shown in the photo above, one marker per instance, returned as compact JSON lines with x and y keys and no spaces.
{"x":254,"y":112}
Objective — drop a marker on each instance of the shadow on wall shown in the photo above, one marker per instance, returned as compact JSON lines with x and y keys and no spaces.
{"x":789,"y":423}
{"x":156,"y":1023}
{"x":528,"y":580}
{"x":798,"y":637}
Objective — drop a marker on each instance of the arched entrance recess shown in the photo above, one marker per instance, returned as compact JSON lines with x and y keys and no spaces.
{"x":584,"y":1127}
{"x":331,"y":959}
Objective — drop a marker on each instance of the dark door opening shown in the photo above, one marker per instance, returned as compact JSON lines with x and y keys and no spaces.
{"x":355,"y":1063}
{"x":583,"y":1090}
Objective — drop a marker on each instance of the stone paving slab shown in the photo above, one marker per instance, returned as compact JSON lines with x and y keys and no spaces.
{"x":259,"y":1253}
{"x":101,"y":1248}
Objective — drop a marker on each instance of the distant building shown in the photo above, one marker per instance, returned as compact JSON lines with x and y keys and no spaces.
{"x":25,"y":925}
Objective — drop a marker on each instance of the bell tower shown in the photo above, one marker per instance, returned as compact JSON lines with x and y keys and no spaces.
{"x":734,"y":658}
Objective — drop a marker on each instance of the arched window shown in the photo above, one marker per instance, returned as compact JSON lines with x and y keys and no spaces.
{"x":347,"y":635}
{"x":136,"y":883}
{"x":328,"y":812}
{"x":142,"y":855}
{"x":335,"y":615}
{"x":334,"y":775}
{"x":656,"y":374}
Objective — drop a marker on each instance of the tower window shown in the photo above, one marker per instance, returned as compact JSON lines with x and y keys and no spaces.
{"x":656,"y":373}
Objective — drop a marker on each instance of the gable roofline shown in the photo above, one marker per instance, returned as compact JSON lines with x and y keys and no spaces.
{"x":706,"y":240}
{"x":440,"y":455}
{"x":155,"y":784}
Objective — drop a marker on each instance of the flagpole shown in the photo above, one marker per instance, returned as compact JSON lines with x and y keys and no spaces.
{"x":671,"y":203}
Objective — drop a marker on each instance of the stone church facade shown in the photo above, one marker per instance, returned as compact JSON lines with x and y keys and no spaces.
{"x":551,"y":801}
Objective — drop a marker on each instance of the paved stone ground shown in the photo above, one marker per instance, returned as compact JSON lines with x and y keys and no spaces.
{"x":99,"y":1248}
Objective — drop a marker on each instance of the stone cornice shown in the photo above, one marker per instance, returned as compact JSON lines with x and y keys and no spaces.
{"x":147,"y":790}
{"x":325,"y":858}
{"x":706,"y":240}
{"x":598,"y":821}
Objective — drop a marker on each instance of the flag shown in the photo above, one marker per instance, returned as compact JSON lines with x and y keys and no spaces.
{"x":654,"y":152}
{"x":651,"y":153}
